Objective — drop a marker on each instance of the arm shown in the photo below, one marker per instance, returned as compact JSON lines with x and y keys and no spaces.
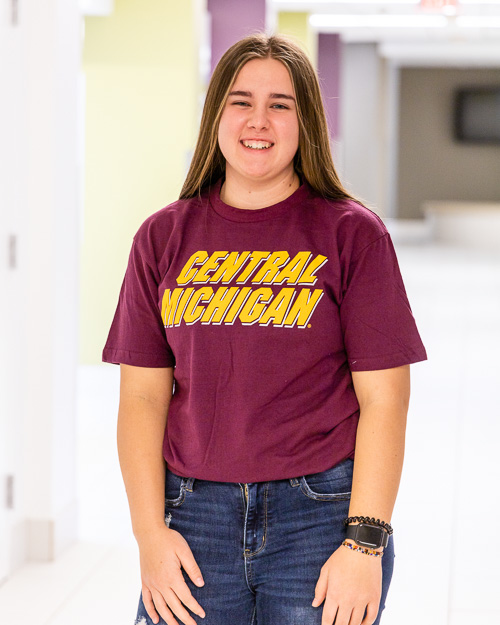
{"x":351,"y":582}
{"x":383,"y":398}
{"x":145,"y":395}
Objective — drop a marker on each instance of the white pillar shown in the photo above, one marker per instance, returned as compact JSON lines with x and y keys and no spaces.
{"x":361,"y":128}
{"x":44,"y":311}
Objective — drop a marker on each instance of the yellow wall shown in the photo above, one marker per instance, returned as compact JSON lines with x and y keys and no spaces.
{"x":141,"y":71}
{"x":297,"y":26}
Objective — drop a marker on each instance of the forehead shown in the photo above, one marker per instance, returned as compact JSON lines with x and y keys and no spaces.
{"x":264,"y":73}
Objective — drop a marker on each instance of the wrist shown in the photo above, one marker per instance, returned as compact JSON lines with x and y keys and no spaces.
{"x":352,"y":542}
{"x":367,"y":533}
{"x":147,"y":532}
{"x":377,"y":553}
{"x":351,"y":520}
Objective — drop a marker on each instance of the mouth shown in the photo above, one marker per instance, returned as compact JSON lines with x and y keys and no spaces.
{"x":256,"y":145}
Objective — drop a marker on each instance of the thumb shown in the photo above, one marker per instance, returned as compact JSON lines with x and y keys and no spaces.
{"x":320,"y":590}
{"x":189,"y":564}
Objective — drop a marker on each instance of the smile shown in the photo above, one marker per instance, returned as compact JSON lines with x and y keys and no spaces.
{"x":257,"y":145}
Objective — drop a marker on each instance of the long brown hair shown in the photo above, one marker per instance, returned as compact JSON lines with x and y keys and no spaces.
{"x":313,"y":159}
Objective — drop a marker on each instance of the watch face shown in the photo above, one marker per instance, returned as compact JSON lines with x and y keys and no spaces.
{"x":369,"y":536}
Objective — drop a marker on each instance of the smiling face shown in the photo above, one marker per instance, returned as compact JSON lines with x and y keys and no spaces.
{"x":259,"y":130}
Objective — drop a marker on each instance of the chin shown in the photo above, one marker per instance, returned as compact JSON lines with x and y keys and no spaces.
{"x":266,"y":173}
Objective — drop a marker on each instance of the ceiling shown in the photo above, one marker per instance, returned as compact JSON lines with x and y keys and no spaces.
{"x":406,"y":32}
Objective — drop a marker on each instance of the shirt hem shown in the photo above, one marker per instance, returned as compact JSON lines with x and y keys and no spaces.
{"x":213,"y":475}
{"x":387,"y":362}
{"x":138,"y":359}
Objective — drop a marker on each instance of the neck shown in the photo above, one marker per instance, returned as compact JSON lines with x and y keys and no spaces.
{"x":242,"y":194}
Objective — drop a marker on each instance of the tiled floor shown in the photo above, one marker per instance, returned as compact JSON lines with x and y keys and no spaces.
{"x":446,"y":574}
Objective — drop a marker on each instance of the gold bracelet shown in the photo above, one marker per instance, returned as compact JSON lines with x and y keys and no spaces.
{"x":365,"y":550}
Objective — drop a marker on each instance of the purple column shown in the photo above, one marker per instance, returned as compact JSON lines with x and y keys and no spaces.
{"x":232,"y":20}
{"x":329,"y":49}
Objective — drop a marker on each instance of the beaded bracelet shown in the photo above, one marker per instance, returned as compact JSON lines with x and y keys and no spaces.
{"x":365,"y":550}
{"x":364,"y":519}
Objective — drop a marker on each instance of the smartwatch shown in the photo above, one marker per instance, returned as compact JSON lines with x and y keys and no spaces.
{"x":366,"y":535}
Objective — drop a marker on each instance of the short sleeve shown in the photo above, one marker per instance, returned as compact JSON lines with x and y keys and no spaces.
{"x":137,"y":336}
{"x":377,"y":322}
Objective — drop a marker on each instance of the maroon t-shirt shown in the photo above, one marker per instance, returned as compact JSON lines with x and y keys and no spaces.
{"x":264,"y":314}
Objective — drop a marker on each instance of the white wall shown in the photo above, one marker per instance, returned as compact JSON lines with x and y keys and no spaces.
{"x":39,"y":64}
{"x":96,"y":7}
{"x":12,"y":274}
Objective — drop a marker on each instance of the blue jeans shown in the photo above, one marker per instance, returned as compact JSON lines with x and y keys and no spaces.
{"x":260,"y":546}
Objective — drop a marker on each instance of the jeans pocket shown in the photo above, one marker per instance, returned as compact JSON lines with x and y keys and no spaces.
{"x":175,"y":490}
{"x":331,"y":485}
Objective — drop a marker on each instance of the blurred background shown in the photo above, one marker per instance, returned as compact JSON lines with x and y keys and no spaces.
{"x":100,"y":106}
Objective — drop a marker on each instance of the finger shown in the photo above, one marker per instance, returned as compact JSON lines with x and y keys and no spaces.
{"x":162,"y":607}
{"x":178,"y":609}
{"x":182,"y":591}
{"x":357,"y":616}
{"x":149,"y":605}
{"x":320,"y":590}
{"x":329,"y":614}
{"x":371,"y":613}
{"x":189,"y":564}
{"x":343,"y":616}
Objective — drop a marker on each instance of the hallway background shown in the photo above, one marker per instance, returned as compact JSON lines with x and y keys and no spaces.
{"x":99,"y":119}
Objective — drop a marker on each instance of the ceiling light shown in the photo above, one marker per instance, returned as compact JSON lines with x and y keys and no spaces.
{"x":319,"y":20}
{"x":473,"y":21}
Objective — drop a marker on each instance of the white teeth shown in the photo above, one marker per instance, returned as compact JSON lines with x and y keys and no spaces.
{"x":257,"y":145}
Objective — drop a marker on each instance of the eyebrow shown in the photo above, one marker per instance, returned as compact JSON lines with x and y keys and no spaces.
{"x":274,"y":96}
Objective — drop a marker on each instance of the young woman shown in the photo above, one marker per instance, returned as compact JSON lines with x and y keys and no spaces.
{"x":265,"y":314}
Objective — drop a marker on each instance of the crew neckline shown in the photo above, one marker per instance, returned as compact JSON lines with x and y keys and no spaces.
{"x":255,"y":214}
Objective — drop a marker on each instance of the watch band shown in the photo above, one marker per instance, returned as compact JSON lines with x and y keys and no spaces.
{"x":367,"y":535}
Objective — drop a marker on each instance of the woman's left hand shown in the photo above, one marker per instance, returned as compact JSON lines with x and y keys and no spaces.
{"x":349,"y":583}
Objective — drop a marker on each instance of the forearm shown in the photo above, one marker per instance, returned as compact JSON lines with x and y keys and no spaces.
{"x":141,"y":428}
{"x":379,"y":453}
{"x":378,"y":463}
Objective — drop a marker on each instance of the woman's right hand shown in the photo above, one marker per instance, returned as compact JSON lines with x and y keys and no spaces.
{"x":164,"y":591}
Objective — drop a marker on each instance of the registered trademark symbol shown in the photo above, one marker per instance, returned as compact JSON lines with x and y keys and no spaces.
{"x":309,"y":325}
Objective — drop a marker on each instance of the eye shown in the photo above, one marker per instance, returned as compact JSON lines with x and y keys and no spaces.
{"x":280,"y":107}
{"x":239,"y":103}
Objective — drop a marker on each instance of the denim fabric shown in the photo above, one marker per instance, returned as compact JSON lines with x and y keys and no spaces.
{"x":261,"y":553}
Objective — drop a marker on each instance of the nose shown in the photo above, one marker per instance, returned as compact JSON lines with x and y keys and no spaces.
{"x":258,"y":118}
